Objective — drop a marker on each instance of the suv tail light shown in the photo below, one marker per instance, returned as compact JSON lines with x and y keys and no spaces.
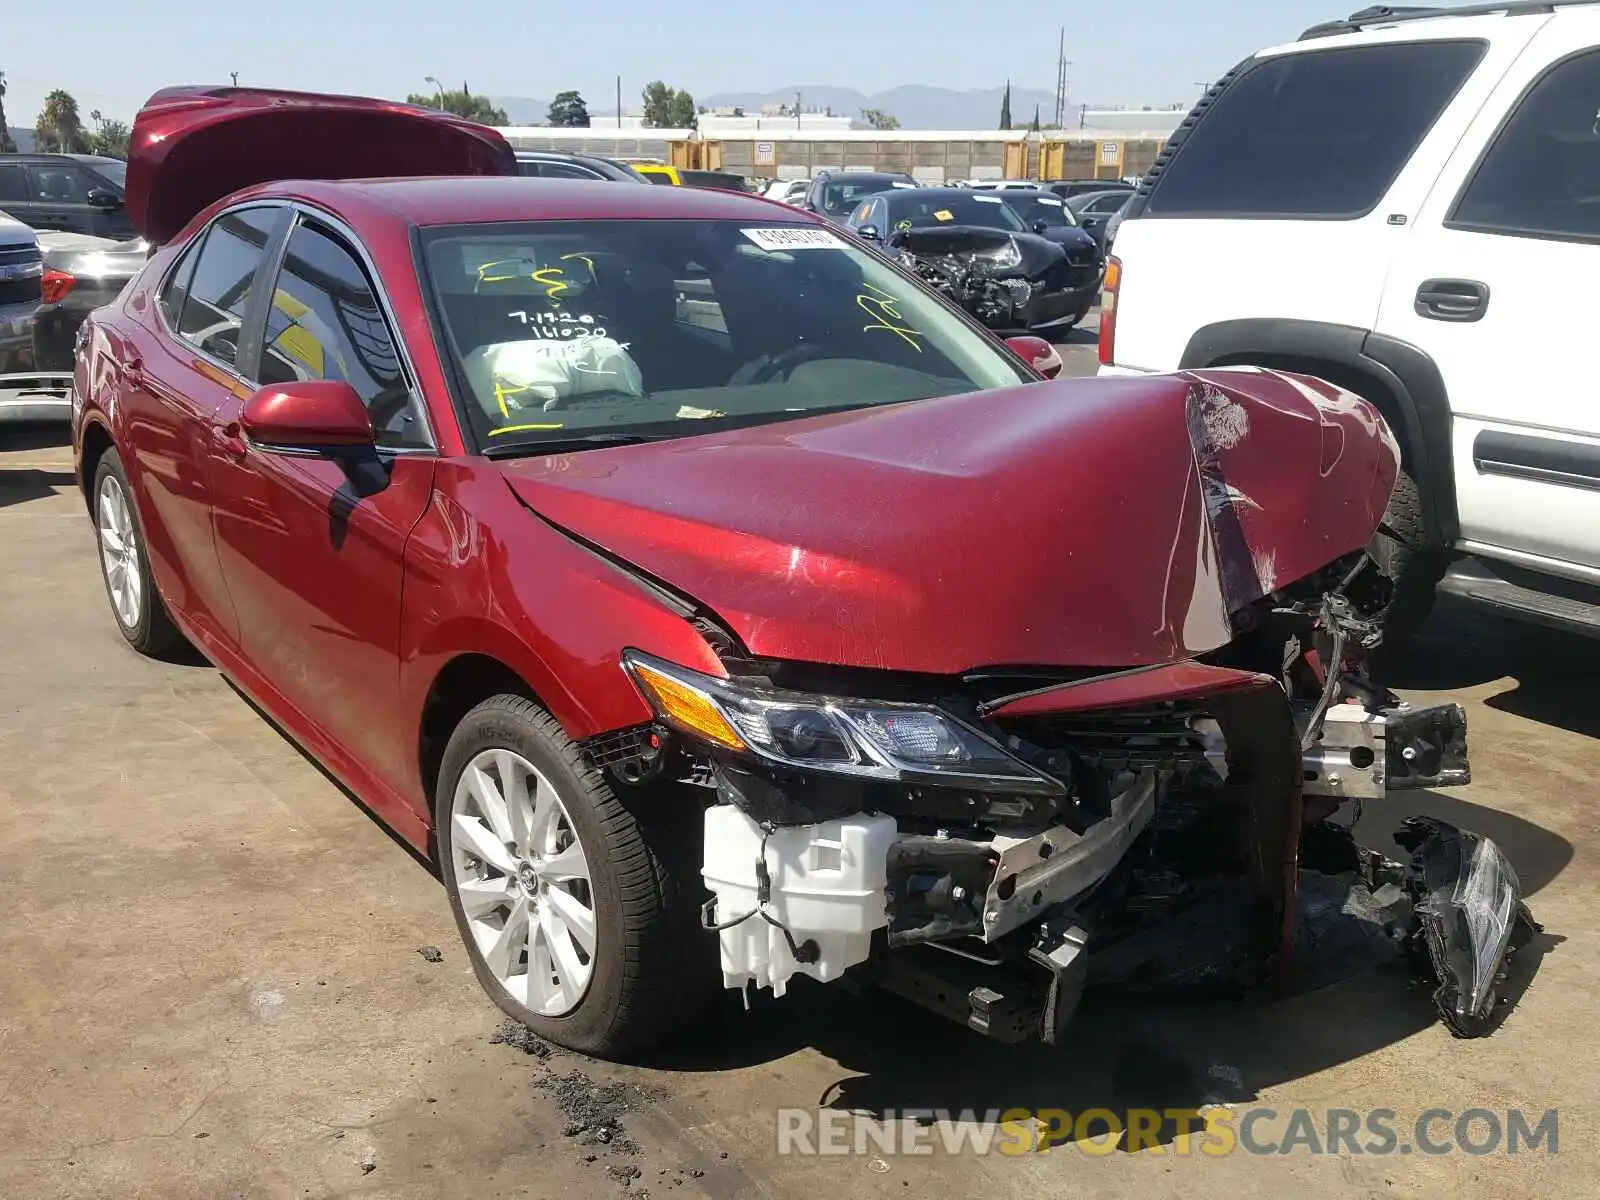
{"x":1108,"y":310}
{"x":56,"y":284}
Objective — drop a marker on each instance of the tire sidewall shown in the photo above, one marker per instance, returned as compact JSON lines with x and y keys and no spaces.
{"x":498,"y":728}
{"x":138,"y":635}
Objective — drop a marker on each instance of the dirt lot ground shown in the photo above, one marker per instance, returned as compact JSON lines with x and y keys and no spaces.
{"x":211,"y":985}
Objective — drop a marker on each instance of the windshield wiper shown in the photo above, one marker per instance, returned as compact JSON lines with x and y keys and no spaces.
{"x":560,"y":445}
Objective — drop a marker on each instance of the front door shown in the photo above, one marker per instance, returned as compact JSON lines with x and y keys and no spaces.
{"x":1497,"y":283}
{"x":312,"y":545}
{"x":61,"y":198}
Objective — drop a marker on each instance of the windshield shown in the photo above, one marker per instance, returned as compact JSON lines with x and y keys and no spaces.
{"x":562,"y":329}
{"x":924,"y":210}
{"x":840,"y":198}
{"x":113,"y":170}
{"x":1032,"y":208}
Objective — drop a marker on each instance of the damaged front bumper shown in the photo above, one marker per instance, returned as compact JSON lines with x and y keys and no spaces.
{"x":984,"y":882}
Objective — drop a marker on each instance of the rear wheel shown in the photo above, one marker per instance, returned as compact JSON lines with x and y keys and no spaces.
{"x":579,"y":917}
{"x":125,"y":565}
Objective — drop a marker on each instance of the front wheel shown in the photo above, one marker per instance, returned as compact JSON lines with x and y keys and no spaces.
{"x":579,"y":918}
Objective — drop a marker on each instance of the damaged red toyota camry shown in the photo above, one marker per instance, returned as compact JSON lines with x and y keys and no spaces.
{"x":715,"y":603}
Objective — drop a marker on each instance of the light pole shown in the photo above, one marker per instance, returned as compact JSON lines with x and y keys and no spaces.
{"x":235,"y":76}
{"x":438,"y":90}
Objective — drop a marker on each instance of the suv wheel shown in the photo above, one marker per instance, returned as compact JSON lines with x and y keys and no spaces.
{"x":1405,"y":554}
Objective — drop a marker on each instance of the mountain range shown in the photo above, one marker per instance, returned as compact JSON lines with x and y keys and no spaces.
{"x":914,"y":105}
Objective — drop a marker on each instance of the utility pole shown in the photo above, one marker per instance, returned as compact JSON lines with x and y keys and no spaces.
{"x":1061,"y":81}
{"x":235,"y":76}
{"x":797,"y":99}
{"x":619,"y":101}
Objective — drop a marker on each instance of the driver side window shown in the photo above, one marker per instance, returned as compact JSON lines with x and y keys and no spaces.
{"x":325,"y":322}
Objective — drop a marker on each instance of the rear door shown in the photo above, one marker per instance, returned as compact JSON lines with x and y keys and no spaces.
{"x":170,"y":397}
{"x":1290,"y":194}
{"x":311,"y":545}
{"x":1497,"y":283}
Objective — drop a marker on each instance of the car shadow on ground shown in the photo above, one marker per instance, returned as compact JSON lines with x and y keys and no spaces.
{"x":1462,"y":646}
{"x":18,"y":485}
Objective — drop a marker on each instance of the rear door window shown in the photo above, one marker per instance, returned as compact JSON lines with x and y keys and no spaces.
{"x":1541,"y":177}
{"x":214,"y":308}
{"x":1313,"y":134}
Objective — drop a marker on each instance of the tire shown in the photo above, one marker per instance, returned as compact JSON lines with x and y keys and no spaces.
{"x":1413,"y":563}
{"x":651,"y":971}
{"x":140,"y":613}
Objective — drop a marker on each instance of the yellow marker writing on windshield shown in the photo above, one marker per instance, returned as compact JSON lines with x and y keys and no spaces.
{"x":554,"y":279}
{"x":504,"y":429}
{"x":884,"y":307}
{"x":944,"y":214}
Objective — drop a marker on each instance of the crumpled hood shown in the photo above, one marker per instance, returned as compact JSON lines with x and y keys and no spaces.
{"x":1107,"y":522}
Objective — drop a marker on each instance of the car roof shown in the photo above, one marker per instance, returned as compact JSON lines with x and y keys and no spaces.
{"x":483,"y":199}
{"x":35,"y":157}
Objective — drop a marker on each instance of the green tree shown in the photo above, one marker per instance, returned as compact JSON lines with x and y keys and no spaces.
{"x":109,"y":137}
{"x":1005,"y":107}
{"x":666,"y":108}
{"x":569,"y":110}
{"x":878,"y":119}
{"x":7,"y":145}
{"x":463,"y":104}
{"x":59,"y":127}
{"x":1034,"y":127}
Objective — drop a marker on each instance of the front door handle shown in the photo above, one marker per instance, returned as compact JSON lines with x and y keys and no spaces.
{"x":1452,"y":299}
{"x":230,"y":441}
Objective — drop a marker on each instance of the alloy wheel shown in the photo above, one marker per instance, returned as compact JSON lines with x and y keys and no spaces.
{"x":119,"y":552}
{"x":523,"y":879}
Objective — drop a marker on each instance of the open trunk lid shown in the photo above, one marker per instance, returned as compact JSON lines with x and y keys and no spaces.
{"x":193,"y":145}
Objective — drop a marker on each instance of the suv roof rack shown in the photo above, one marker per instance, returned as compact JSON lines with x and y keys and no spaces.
{"x":1383,"y":14}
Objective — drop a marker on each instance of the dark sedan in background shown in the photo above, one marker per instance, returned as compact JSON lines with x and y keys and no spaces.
{"x":1063,"y":283}
{"x":554,"y":164}
{"x":70,"y":193}
{"x":80,"y":274}
{"x":1094,"y":211}
{"x":835,"y":194}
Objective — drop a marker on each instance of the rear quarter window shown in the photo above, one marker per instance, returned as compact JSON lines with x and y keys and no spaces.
{"x":1313,"y":134}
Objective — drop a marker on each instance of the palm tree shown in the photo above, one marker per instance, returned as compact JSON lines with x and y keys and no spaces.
{"x":60,"y":126}
{"x":7,"y":145}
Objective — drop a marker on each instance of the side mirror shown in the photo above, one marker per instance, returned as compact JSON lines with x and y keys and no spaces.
{"x":1040,"y":226}
{"x":869,"y":232}
{"x":318,"y":415}
{"x":103,"y":198}
{"x":1089,"y":222}
{"x":1038,"y":354}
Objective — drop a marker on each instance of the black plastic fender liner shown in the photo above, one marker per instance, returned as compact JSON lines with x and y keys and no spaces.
{"x":1403,"y":381}
{"x":1264,"y":771}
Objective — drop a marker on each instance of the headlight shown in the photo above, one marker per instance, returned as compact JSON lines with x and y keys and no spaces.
{"x":864,"y":739}
{"x":1009,"y":255}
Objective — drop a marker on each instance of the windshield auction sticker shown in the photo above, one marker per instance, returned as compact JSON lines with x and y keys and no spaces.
{"x":793,"y":239}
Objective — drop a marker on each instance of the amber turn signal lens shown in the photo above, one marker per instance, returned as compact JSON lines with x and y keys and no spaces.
{"x":685,"y":707}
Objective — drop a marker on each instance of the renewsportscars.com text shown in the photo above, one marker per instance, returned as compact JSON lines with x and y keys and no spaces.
{"x":1213,"y":1131}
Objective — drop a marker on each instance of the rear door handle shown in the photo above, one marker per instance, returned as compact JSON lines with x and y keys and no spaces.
{"x":1452,"y":299}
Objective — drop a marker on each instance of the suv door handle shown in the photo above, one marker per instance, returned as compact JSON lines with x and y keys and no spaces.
{"x":1452,"y":299}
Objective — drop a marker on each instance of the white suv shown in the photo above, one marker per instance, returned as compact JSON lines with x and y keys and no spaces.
{"x":1407,"y":204}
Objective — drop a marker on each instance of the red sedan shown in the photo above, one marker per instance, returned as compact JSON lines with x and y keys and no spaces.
{"x":694,"y":584}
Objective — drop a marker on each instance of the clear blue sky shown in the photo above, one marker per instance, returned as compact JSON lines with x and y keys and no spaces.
{"x":111,"y":54}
